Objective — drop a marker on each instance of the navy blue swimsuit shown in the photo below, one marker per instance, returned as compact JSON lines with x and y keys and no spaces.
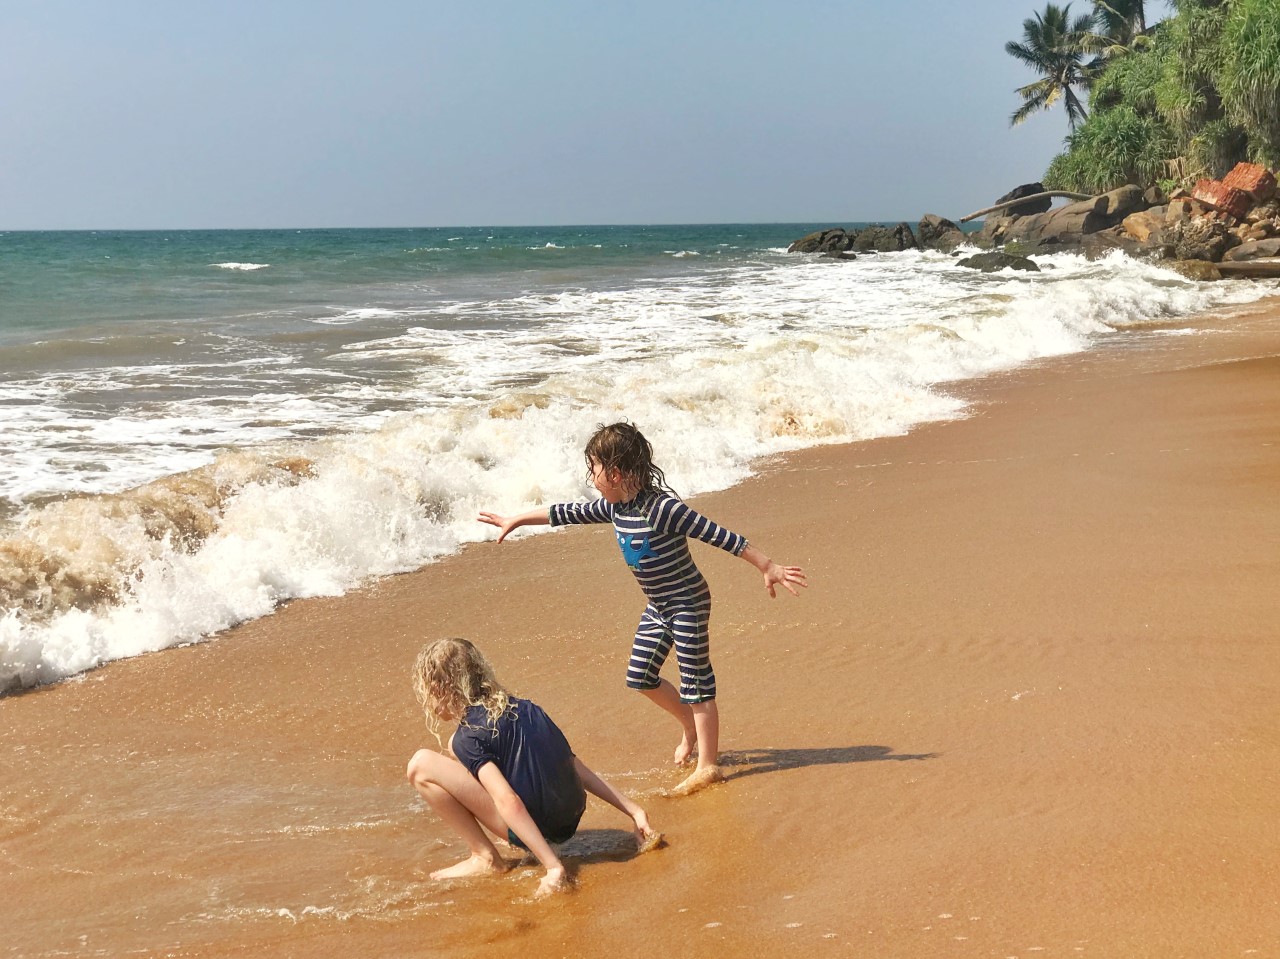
{"x":534,"y":756}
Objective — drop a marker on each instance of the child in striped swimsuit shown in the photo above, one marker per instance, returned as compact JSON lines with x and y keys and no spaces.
{"x":652,"y":525}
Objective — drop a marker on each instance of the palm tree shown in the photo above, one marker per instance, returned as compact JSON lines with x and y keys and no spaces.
{"x":1122,"y":28}
{"x":1122,"y":16}
{"x":1055,"y":47}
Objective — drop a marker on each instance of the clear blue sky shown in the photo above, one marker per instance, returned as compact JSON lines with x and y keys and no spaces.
{"x":282,"y":113}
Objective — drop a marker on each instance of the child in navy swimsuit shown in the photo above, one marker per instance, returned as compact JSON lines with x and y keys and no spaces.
{"x":514,"y":773}
{"x":652,"y":526}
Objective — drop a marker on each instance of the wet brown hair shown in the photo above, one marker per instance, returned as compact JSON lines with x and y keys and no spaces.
{"x":451,"y":675}
{"x":622,"y":447}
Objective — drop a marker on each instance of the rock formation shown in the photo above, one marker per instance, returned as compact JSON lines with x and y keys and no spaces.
{"x":886,"y":239}
{"x":997,"y":260}
{"x":938,"y":233}
{"x":1235,"y":220}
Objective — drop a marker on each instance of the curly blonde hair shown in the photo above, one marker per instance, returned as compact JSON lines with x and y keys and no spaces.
{"x":451,"y":675}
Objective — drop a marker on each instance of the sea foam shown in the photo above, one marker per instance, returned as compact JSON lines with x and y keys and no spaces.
{"x":727,"y":368}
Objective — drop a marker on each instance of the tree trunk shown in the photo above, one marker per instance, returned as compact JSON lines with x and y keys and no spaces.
{"x":1024,"y":199}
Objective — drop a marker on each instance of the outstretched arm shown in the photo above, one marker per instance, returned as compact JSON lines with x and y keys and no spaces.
{"x":774,"y":575}
{"x":535,"y":517}
{"x":646,"y":837}
{"x":513,"y":812}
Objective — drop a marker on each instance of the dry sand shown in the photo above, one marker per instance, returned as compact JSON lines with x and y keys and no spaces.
{"x":1029,"y":707}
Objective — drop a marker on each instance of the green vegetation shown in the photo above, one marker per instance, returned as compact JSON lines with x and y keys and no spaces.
{"x":1185,"y":98}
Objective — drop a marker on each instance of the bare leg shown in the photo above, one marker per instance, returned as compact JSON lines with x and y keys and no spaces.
{"x":706,"y":720}
{"x":465,"y":805}
{"x":665,"y":695}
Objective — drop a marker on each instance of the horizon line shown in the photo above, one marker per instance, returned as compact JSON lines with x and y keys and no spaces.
{"x":447,"y":226}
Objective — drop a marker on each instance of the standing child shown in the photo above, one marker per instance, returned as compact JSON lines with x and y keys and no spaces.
{"x":652,"y":525}
{"x":514,"y":773}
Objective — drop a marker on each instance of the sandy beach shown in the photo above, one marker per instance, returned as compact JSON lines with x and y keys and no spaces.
{"x":1028,"y":707}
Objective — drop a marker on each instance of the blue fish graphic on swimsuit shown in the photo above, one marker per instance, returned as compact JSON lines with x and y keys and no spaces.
{"x":635,"y":547}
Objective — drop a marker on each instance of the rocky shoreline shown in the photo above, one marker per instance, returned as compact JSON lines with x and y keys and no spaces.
{"x":1227,"y":227}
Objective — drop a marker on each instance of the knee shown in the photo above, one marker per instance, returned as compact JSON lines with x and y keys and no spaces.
{"x":420,"y":771}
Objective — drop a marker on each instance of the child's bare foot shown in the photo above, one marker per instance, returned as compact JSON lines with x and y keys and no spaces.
{"x":700,"y":779}
{"x":684,"y":752}
{"x":472,"y":866}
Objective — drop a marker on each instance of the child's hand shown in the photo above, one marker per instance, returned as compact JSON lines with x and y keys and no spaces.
{"x":553,"y":882}
{"x":646,"y":836}
{"x":788,"y":576}
{"x":774,"y":575}
{"x":505,"y":524}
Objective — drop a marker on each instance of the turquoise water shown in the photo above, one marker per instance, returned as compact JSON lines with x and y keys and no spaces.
{"x":55,"y":282}
{"x":127,"y":356}
{"x":197,"y":425}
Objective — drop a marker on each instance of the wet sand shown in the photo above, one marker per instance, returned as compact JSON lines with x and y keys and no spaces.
{"x":1028,"y":707}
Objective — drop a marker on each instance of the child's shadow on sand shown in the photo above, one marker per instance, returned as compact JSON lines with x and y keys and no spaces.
{"x":751,"y":762}
{"x":600,"y":845}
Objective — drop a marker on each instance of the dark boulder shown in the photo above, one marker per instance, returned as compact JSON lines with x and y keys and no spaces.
{"x":1029,"y":208}
{"x":1258,"y":249}
{"x":838,"y":255}
{"x":886,"y":239}
{"x":995,"y":260}
{"x":1201,"y":238}
{"x":938,"y":233}
{"x":833,"y":240}
{"x":1195,"y":269}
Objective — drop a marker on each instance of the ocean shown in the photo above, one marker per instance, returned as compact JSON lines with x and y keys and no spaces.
{"x":199,"y":425}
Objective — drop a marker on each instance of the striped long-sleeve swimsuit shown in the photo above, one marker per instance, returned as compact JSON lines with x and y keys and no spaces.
{"x":652,"y":532}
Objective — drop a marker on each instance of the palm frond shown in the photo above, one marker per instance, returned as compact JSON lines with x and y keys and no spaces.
{"x":1053,"y":45}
